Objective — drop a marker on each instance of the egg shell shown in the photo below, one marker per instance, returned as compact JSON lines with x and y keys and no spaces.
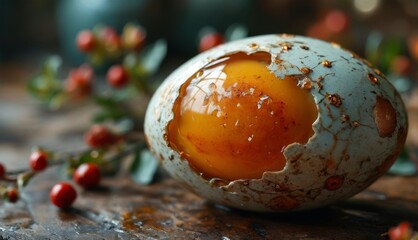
{"x":360,"y":129}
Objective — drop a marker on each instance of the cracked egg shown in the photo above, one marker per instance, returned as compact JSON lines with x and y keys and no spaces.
{"x":276,"y":123}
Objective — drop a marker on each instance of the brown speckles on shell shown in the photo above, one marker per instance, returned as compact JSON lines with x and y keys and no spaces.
{"x":345,"y":118}
{"x":289,"y":189}
{"x":199,"y":73}
{"x":373,"y":78}
{"x":334,"y":182}
{"x":304,"y":47}
{"x":319,"y":85}
{"x":326,"y":64}
{"x":306,"y":70}
{"x":165,"y":137}
{"x":334,"y":99}
{"x":277,"y":61}
{"x":355,"y":124}
{"x":286,"y":46}
{"x":306,"y":84}
{"x":253,"y":45}
{"x":366,"y":62}
{"x":378,"y":72}
{"x":384,"y":117}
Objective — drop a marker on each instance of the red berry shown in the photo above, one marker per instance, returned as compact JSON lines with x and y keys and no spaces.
{"x":79,"y":82}
{"x":133,"y":37}
{"x":401,"y":232}
{"x":336,"y":21}
{"x":318,"y":30}
{"x":12,"y":195}
{"x":99,"y":136}
{"x":87,"y":175}
{"x":38,"y":161}
{"x":117,"y":76}
{"x":209,"y":41}
{"x":85,"y":41}
{"x":2,"y":170}
{"x":401,"y":65}
{"x":63,"y":195}
{"x":110,"y":39}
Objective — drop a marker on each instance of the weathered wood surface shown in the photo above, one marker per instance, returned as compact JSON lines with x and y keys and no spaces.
{"x":122,"y":209}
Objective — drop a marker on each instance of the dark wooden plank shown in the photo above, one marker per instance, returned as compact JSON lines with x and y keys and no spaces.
{"x":122,"y":209}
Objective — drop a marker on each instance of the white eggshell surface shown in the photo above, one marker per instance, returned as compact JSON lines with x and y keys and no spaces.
{"x":360,"y":129}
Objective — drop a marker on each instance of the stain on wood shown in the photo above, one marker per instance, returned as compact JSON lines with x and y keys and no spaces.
{"x":122,"y":209}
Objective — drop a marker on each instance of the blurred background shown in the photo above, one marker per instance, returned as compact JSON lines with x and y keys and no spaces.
{"x":384,"y":32}
{"x":50,"y":26}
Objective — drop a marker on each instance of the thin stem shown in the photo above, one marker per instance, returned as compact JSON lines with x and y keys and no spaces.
{"x":8,"y":179}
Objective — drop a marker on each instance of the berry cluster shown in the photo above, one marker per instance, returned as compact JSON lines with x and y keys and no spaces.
{"x":126,"y":79}
{"x":119,"y":132}
{"x":103,"y":47}
{"x":210,"y":40}
{"x":9,"y":193}
{"x":80,"y":81}
{"x":104,"y":42}
{"x":85,"y":174}
{"x":403,"y":231}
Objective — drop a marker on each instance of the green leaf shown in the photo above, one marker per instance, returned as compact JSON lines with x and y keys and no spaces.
{"x":235,"y":32}
{"x":144,"y":167}
{"x":389,"y":50}
{"x":23,"y":179}
{"x":57,"y":100}
{"x":373,"y":44}
{"x":46,"y":86}
{"x":130,"y":61}
{"x":51,"y":66}
{"x":106,"y":101}
{"x":124,"y":125}
{"x":403,"y":165}
{"x":39,"y":88}
{"x":111,"y":108}
{"x":152,"y":56}
{"x":402,"y":84}
{"x":91,"y":156}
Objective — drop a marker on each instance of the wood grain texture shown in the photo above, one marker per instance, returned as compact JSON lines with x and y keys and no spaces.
{"x":121,"y":209}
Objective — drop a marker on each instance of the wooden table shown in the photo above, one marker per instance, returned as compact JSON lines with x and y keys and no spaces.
{"x":121,"y":209}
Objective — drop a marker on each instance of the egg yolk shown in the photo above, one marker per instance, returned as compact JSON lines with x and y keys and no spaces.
{"x":233,"y":119}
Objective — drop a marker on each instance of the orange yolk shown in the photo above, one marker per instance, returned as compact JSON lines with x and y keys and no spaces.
{"x":233,"y":119}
